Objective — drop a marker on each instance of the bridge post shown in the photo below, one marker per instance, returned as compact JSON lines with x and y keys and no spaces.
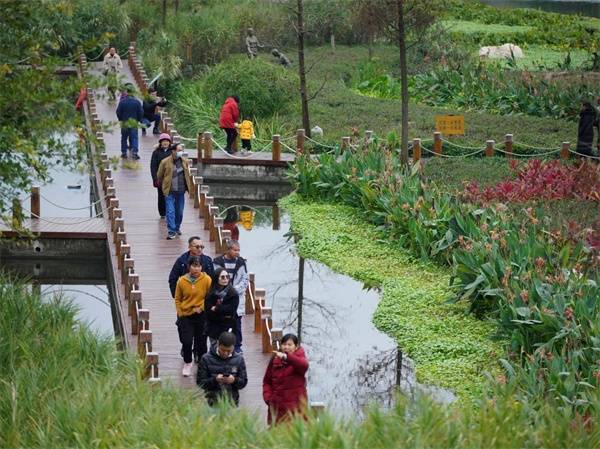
{"x":416,"y":150}
{"x":193,"y":172}
{"x":249,"y":304}
{"x":208,"y":201}
{"x":508,"y":145}
{"x":300,"y":138}
{"x":259,"y":300}
{"x":275,"y":213}
{"x":198,"y":180}
{"x":35,"y":202}
{"x":565,"y":150}
{"x":489,"y":147}
{"x":199,"y":142}
{"x":276,"y":147}
{"x":276,"y":335}
{"x":437,"y":143}
{"x":207,"y":145}
{"x":204,"y":189}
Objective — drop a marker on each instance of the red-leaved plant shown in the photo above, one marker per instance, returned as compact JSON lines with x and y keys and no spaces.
{"x":539,"y":180}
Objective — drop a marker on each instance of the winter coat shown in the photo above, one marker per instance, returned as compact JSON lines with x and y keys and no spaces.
{"x":165,"y":174}
{"x":190,"y":295}
{"x":246,"y":130}
{"x":224,"y":317}
{"x":239,"y":277}
{"x":112,"y":64}
{"x":180,"y":268}
{"x":150,"y":108}
{"x":284,"y":385}
{"x":211,"y":365}
{"x":158,"y":155}
{"x":585,"y":132}
{"x":230,"y":113}
{"x":130,"y":108}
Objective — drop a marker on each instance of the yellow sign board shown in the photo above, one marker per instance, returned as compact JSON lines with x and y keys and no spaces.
{"x":450,"y":125}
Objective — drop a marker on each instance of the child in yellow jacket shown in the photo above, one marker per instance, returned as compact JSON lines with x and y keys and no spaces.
{"x":246,"y":133}
{"x":190,"y":294}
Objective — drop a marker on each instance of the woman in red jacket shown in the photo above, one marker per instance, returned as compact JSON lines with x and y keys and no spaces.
{"x":230,"y":114}
{"x":284,"y":384}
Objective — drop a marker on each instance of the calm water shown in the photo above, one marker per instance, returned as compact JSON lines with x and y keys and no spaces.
{"x":352,"y":364}
{"x":87,"y":289}
{"x":585,"y":8}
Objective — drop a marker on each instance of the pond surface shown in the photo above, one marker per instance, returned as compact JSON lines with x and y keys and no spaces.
{"x":586,"y":8}
{"x":87,"y":289}
{"x":352,"y":364}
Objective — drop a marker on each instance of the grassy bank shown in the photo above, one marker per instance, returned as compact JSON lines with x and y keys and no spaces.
{"x":61,"y":386}
{"x":451,"y":349}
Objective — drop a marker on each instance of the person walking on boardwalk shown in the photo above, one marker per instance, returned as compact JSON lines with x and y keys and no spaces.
{"x":190,"y":294}
{"x":111,"y":67}
{"x":221,"y":306}
{"x":161,"y":151}
{"x":230,"y":114}
{"x":236,"y":267}
{"x":195,"y":249}
{"x":174,"y":177}
{"x":222,"y":372}
{"x":284,"y":383}
{"x":130,"y":113}
{"x":151,"y":101}
{"x":246,"y":129}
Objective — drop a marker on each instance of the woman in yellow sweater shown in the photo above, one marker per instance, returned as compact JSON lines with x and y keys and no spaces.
{"x":190,"y":293}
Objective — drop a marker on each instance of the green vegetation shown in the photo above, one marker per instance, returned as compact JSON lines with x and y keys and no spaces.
{"x":63,"y":386}
{"x":539,"y":286}
{"x":450,"y":348}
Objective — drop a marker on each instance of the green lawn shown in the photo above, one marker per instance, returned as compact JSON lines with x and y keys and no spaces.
{"x":468,"y":27}
{"x":337,"y":109}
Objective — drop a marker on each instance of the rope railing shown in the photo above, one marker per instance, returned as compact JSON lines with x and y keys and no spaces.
{"x":526,"y":154}
{"x":481,"y":150}
{"x":72,"y":208}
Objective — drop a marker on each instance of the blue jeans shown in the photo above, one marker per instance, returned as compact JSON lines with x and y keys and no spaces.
{"x":147,"y":122}
{"x":238,"y":334}
{"x":130,"y":134}
{"x":175,"y":201}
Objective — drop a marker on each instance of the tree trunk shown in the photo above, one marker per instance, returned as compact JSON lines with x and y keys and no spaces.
{"x":403,"y":81}
{"x":302,"y":69}
{"x":332,"y":41}
{"x":176,"y":3}
{"x":370,"y":47}
{"x":164,"y":13}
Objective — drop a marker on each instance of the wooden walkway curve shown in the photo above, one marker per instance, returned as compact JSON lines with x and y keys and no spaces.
{"x":154,"y":255}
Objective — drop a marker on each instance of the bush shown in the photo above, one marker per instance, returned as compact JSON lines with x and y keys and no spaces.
{"x":263,"y":88}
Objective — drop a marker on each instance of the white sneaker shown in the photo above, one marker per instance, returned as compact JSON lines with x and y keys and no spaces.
{"x":187,"y":370}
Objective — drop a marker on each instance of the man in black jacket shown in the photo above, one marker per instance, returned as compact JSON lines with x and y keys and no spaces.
{"x":161,"y":151}
{"x":180,"y":266}
{"x":150,"y":103}
{"x":221,"y":372}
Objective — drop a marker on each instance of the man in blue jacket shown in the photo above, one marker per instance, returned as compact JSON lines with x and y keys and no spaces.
{"x":180,"y":266}
{"x":130,"y":113}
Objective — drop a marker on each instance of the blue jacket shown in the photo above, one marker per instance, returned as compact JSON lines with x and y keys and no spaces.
{"x":180,"y":268}
{"x":130,"y":108}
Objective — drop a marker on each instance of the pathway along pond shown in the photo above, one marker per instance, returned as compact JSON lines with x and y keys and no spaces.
{"x":352,"y":364}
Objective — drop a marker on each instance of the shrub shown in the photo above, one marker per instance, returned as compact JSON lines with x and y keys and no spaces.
{"x":264,"y":88}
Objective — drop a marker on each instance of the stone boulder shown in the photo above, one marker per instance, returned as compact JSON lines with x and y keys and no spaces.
{"x":505,"y":51}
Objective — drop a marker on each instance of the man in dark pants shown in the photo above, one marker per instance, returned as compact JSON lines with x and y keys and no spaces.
{"x":238,"y":275}
{"x":230,"y":114}
{"x":162,"y":151}
{"x":196,"y":248}
{"x":150,"y":116}
{"x":130,"y":113}
{"x":221,"y":372}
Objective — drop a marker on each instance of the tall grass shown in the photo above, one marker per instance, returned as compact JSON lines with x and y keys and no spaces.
{"x":62,"y":386}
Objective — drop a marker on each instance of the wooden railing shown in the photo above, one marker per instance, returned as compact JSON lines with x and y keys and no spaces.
{"x":140,"y":317}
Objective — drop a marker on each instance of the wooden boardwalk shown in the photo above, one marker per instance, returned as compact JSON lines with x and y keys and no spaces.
{"x":60,"y":228}
{"x":154,"y":257}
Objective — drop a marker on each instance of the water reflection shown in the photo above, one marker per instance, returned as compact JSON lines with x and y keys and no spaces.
{"x":87,"y":289}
